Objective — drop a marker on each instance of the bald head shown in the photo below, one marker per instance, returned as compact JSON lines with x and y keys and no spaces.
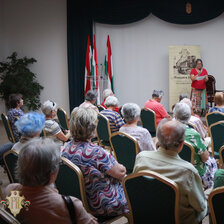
{"x":170,"y":134}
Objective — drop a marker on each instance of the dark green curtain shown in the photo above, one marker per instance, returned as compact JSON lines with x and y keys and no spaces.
{"x":81,"y":14}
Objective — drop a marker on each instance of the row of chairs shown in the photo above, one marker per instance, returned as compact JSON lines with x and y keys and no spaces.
{"x":140,"y":189}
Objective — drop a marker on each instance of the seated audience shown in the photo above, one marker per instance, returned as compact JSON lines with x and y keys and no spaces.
{"x":155,"y":105}
{"x":131,"y":113}
{"x":106,"y":93}
{"x":15,"y":112}
{"x":219,"y":103}
{"x":36,"y":178}
{"x":203,"y":162}
{"x":52,"y":128}
{"x":102,"y":173}
{"x":29,"y":126}
{"x":200,"y":127}
{"x":90,"y":99}
{"x":166,"y":161}
{"x":219,"y":178}
{"x":114,"y":118}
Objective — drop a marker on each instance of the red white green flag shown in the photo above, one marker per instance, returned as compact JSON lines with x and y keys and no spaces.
{"x":88,"y":85}
{"x":109,"y":66}
{"x":94,"y":71}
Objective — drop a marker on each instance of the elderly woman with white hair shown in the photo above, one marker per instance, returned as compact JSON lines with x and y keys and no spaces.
{"x":102,"y":173}
{"x":203,"y":162}
{"x":131,"y":113}
{"x":114,"y":118}
{"x":37,"y":169}
{"x":52,"y":128}
{"x":29,"y":126}
{"x":106,"y":93}
{"x":200,"y":127}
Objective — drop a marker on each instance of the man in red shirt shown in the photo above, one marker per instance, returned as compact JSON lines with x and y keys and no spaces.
{"x":155,"y":105}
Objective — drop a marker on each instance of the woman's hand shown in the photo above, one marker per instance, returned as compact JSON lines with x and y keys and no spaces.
{"x":193,"y":77}
{"x":204,"y":156}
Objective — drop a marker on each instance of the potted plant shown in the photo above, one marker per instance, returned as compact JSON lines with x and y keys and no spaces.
{"x":16,"y":77}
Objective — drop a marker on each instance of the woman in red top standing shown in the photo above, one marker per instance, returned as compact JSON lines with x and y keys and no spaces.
{"x":199,"y":77}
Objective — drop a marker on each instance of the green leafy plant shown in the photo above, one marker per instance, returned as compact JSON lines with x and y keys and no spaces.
{"x":16,"y":77}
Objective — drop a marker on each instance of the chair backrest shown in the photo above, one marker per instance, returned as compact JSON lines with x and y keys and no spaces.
{"x":10,"y":159}
{"x":125,"y":149}
{"x":215,"y":202}
{"x":103,"y":128}
{"x":191,"y":125}
{"x":187,"y":153}
{"x":70,"y":181}
{"x":216,"y":131}
{"x":100,"y":107}
{"x":151,"y":196}
{"x":7,"y":218}
{"x":148,"y":118}
{"x":8,"y":128}
{"x":221,"y":157}
{"x":213,"y":117}
{"x":62,"y":118}
{"x":43,"y":133}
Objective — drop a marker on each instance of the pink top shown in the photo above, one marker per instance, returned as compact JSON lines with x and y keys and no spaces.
{"x":158,"y":109}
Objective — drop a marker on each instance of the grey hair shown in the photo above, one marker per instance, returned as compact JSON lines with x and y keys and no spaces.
{"x":48,"y":106}
{"x":182,"y":112}
{"x":170,"y":133}
{"x":91,"y":95}
{"x":83,"y":123}
{"x":187,"y":101}
{"x":38,"y":159}
{"x":130,"y":111}
{"x":107,"y":92}
{"x":157,"y":94}
{"x":111,"y":101}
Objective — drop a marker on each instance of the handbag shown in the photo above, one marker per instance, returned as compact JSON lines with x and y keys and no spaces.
{"x":70,"y":207}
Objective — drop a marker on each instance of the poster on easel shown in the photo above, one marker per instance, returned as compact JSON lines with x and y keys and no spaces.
{"x":181,"y":60}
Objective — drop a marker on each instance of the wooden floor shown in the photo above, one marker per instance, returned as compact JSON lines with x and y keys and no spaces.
{"x":4,"y":177}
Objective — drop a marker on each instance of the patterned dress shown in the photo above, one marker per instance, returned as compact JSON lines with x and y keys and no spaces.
{"x":205,"y":169}
{"x":13,"y":114}
{"x":105,"y":194}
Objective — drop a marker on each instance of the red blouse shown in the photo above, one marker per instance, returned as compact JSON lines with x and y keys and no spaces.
{"x":198,"y":84}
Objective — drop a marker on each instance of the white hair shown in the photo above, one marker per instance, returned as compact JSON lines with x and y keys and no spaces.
{"x":111,"y":101}
{"x":130,"y":111}
{"x":48,"y":106}
{"x":187,"y":101}
{"x":182,"y":112}
{"x":107,"y":92}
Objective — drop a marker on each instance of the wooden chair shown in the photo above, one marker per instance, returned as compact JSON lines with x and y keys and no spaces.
{"x":210,"y":89}
{"x":8,"y":128}
{"x":215,"y":202}
{"x":221,"y":157}
{"x":151,"y":196}
{"x":216,"y":131}
{"x":213,"y":117}
{"x":7,"y":218}
{"x":70,"y":182}
{"x":187,"y":152}
{"x":100,"y":107}
{"x":125,"y":148}
{"x":63,"y":119}
{"x":148,"y":118}
{"x":10,"y":159}
{"x":103,"y":131}
{"x":191,"y":125}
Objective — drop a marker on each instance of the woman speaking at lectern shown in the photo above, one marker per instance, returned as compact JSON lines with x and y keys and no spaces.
{"x":199,"y":77}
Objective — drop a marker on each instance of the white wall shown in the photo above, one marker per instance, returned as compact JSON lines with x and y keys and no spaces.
{"x":38,"y":29}
{"x":140,"y":54}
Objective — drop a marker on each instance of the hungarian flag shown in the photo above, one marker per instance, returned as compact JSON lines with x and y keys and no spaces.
{"x":94,"y":71}
{"x":109,"y":66}
{"x":88,"y":67}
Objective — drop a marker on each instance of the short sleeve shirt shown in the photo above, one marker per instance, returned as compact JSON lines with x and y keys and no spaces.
{"x":194,"y":138}
{"x":157,"y":108}
{"x":198,"y":84}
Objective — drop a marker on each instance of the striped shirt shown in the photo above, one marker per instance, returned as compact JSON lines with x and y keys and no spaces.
{"x":114,"y":118}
